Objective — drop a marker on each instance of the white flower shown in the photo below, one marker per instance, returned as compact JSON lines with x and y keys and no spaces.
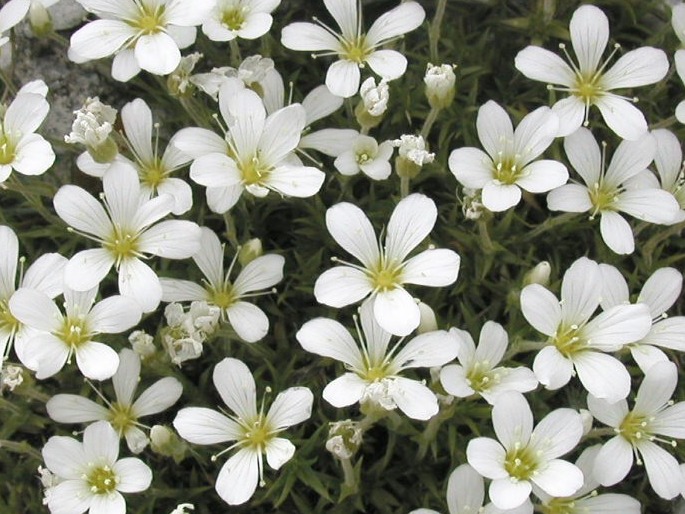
{"x":253,"y":432}
{"x":187,"y":331}
{"x":413,"y":148}
{"x":669,"y":166}
{"x":525,"y":456}
{"x":678,"y":22}
{"x":93,"y":123}
{"x":144,"y":34}
{"x":248,"y":320}
{"x":253,"y":71}
{"x":476,"y":372}
{"x":92,"y":477}
{"x":576,"y":341}
{"x":257,"y":154}
{"x":605,"y":193}
{"x":385,"y":269}
{"x":142,"y":343}
{"x":124,"y":413}
{"x":353,"y":48}
{"x":586,"y":500}
{"x":10,"y":15}
{"x":20,"y":148}
{"x":245,"y":19}
{"x":368,"y":156}
{"x":508,"y":165}
{"x":374,"y":375}
{"x":126,"y":230}
{"x":590,"y":82}
{"x":653,"y":415}
{"x":660,"y":292}
{"x":59,"y":336}
{"x":375,"y":97}
{"x":44,"y":275}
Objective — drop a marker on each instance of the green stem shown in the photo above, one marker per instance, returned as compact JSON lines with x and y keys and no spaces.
{"x":22,"y":447}
{"x":434,"y":31}
{"x":485,"y":240}
{"x":13,"y":184}
{"x":235,"y":52}
{"x":404,"y":187}
{"x":664,"y":123}
{"x":348,"y":471}
{"x":549,"y":224}
{"x":429,"y":121}
{"x":649,"y":247}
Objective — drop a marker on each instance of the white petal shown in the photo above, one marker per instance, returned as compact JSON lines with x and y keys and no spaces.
{"x":134,"y":475}
{"x":344,"y":390}
{"x":656,"y":389}
{"x":238,"y":477}
{"x":630,"y":158}
{"x":571,"y":114}
{"x":639,"y":67}
{"x":402,"y":19}
{"x":389,"y":64}
{"x":646,"y":356}
{"x":71,"y":408}
{"x":589,"y":35}
{"x":114,"y":315}
{"x":617,"y":326}
{"x":661,"y":290}
{"x":453,"y":379}
{"x":81,"y":211}
{"x":471,"y":167}
{"x":222,"y":199}
{"x":652,"y":205}
{"x":669,"y":155}
{"x":308,"y":37}
{"x":101,"y":443}
{"x":125,"y":380}
{"x":196,"y":142}
{"x":427,"y":350}
{"x":65,"y":457}
{"x":435,"y":268}
{"x":414,"y":399}
{"x":171,"y":239}
{"x":492,"y":343}
{"x":33,"y":155}
{"x":487,"y":456}
{"x":136,"y":117}
{"x":96,"y":361}
{"x":559,"y":478}
{"x":290,"y":407}
{"x":551,"y":368}
{"x":199,"y":425}
{"x":158,"y":397}
{"x":352,"y":230}
{"x":261,"y":273}
{"x":331,"y":141}
{"x":329,"y":338}
{"x":180,"y":191}
{"x":569,"y":198}
{"x":46,"y":274}
{"x":342,"y":78}
{"x":506,"y":493}
{"x":610,"y":414}
{"x":602,"y":375}
{"x":341,"y":286}
{"x":541,"y":309}
{"x":668,"y":333}
{"x":319,"y":103}
{"x":621,"y":116}
{"x":297,"y":181}
{"x":215,"y":170}
{"x":281,"y":133}
{"x":539,"y":64}
{"x":12,"y":13}
{"x":512,"y":420}
{"x":236,"y":386}
{"x":112,"y":503}
{"x":581,"y":291}
{"x":36,"y":309}
{"x":70,"y":496}
{"x":396,"y":311}
{"x":465,"y":490}
{"x":610,"y":503}
{"x":500,"y":197}
{"x":617,"y":233}
{"x":662,"y":469}
{"x":542,"y":176}
{"x":249,"y":321}
{"x":138,"y":281}
{"x":410,"y":223}
{"x":8,"y":261}
{"x":278,"y":452}
{"x":43,"y":353}
{"x":557,"y":433}
{"x":188,"y":14}
{"x":99,"y":39}
{"x":614,"y":287}
{"x":584,"y":154}
{"x":182,"y":291}
{"x":495,"y":131}
{"x":124,"y":65}
{"x":87,"y":269}
{"x":157,"y":53}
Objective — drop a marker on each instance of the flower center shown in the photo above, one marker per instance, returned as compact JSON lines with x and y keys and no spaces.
{"x":74,"y":332}
{"x":603,"y":198}
{"x":559,"y":506}
{"x":233,"y":18}
{"x":7,"y":152}
{"x":257,"y":433}
{"x":102,"y":480}
{"x":569,"y":341}
{"x":121,"y":417}
{"x":122,"y":244}
{"x":521,"y":462}
{"x":363,"y":158}
{"x":150,"y":19}
{"x":355,"y":50}
{"x":153,"y":174}
{"x":8,"y":323}
{"x":634,"y":428}
{"x":507,"y":171}
{"x":375,"y":373}
{"x":587,"y":88}
{"x":223,"y":297}
{"x":253,"y":171}
{"x":481,"y":377}
{"x":386,"y":276}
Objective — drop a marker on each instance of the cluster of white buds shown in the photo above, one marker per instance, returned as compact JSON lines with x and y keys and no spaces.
{"x":12,"y":376}
{"x":92,"y":128}
{"x":187,"y":331}
{"x":373,"y":104}
{"x":440,"y":82}
{"x":142,"y":343}
{"x":344,"y":438}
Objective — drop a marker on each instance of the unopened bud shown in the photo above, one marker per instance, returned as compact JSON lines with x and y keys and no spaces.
{"x":164,"y":441}
{"x":538,"y":275}
{"x":40,"y":19}
{"x":586,"y":419}
{"x":344,"y":438}
{"x":440,"y":82}
{"x":427,"y":321}
{"x":250,"y":251}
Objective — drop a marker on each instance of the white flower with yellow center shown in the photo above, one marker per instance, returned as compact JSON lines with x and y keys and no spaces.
{"x":605,"y":191}
{"x":374,"y":374}
{"x":124,"y":413}
{"x":354,"y":48}
{"x":368,"y":156}
{"x":253,"y":431}
{"x":248,"y":320}
{"x":638,"y":430}
{"x":127,"y":230}
{"x":385,"y":269}
{"x":90,"y":476}
{"x":509,"y":164}
{"x":590,"y":82}
{"x":524,"y":455}
{"x":144,"y":34}
{"x":245,"y":19}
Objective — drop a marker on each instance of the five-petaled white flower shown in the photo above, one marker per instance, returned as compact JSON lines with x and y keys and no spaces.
{"x":477,"y":373}
{"x":575,"y":341}
{"x":21,"y":149}
{"x":385,"y":269}
{"x":508,"y":165}
{"x":248,"y":320}
{"x":90,"y":476}
{"x":44,"y":275}
{"x":59,"y":336}
{"x":590,"y":82}
{"x":126,"y":230}
{"x":653,"y":415}
{"x":368,"y":156}
{"x":668,"y":162}
{"x":253,"y":432}
{"x":605,"y":192}
{"x":525,"y":456}
{"x":354,"y":48}
{"x":374,"y":375}
{"x":245,"y":19}
{"x":143,"y":34}
{"x":124,"y":413}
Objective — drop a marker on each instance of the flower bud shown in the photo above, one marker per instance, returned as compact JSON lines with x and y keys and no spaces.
{"x":12,"y":376}
{"x":142,"y":343}
{"x":250,"y":251}
{"x":374,"y":102}
{"x":164,"y":441}
{"x":587,"y":419}
{"x":344,"y":438}
{"x":92,"y":128}
{"x":40,"y":19}
{"x":440,"y":82}
{"x":538,"y":275}
{"x":412,"y":155}
{"x":427,"y":321}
